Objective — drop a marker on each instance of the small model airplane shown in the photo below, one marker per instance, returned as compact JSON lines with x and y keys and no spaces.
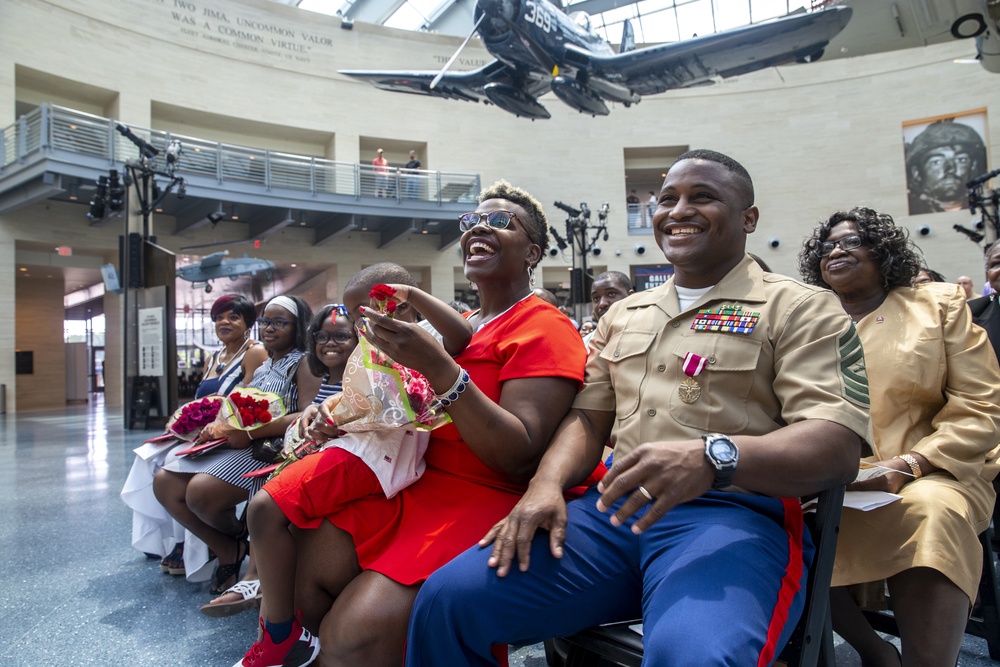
{"x":217,"y":266}
{"x":540,"y":48}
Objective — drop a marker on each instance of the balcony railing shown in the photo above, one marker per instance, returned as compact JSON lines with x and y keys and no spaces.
{"x":53,"y":128}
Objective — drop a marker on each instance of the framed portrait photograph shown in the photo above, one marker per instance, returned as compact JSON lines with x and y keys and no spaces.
{"x":942,"y":154}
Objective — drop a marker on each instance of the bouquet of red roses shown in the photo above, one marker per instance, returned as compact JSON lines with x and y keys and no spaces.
{"x":188,"y":420}
{"x":248,"y":409}
{"x":380,"y":393}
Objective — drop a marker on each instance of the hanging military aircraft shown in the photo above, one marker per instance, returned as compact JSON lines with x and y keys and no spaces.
{"x":540,"y":48}
{"x":217,"y":266}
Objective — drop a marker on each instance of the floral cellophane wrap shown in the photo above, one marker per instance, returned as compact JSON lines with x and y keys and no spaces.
{"x":248,"y":409}
{"x":379,"y":393}
{"x":187,"y":421}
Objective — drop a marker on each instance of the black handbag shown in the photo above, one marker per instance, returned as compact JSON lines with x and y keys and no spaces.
{"x":267,"y":450}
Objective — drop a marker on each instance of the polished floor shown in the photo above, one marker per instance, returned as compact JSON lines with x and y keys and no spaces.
{"x":72,"y":590}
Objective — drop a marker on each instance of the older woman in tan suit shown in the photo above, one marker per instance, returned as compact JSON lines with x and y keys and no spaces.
{"x":935,"y":410}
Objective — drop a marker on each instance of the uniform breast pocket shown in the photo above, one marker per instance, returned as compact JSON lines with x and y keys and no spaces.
{"x":724,"y":385}
{"x":627,"y":356}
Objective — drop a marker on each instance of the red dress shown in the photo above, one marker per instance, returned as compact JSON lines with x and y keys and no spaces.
{"x":459,"y":498}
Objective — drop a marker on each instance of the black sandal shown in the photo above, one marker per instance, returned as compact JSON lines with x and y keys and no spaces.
{"x":173,"y":563}
{"x":223,"y":573}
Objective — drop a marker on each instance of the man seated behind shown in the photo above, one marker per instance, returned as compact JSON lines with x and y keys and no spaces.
{"x":727,"y":393}
{"x":608,"y":288}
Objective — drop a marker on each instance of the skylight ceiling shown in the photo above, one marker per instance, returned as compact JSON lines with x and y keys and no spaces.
{"x":653,"y":20}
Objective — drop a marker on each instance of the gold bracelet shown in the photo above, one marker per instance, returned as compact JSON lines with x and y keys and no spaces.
{"x":912,"y":462}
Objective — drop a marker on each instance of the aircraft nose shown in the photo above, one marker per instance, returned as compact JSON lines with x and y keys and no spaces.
{"x":504,"y":9}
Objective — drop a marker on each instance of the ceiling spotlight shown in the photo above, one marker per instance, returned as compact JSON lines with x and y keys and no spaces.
{"x":72,"y":189}
{"x":234,"y":211}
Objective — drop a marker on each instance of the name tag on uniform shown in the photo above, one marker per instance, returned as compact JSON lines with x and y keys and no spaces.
{"x":725,"y":319}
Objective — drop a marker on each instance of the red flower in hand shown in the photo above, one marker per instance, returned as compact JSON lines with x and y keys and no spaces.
{"x":383,"y":295}
{"x":382,"y":292}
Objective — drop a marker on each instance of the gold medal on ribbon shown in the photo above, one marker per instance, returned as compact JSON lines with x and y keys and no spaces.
{"x":689,"y":390}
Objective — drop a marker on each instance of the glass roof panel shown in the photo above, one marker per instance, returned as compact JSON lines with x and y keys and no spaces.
{"x":653,"y":20}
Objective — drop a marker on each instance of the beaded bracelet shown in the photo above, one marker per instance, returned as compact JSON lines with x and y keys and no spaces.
{"x":450,"y":396}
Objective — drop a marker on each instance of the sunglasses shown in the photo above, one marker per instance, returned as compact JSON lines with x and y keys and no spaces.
{"x":851,"y":242}
{"x":277,"y":323}
{"x":339,"y":337}
{"x":495,"y":219}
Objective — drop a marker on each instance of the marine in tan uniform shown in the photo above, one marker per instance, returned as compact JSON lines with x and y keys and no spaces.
{"x":727,"y":393}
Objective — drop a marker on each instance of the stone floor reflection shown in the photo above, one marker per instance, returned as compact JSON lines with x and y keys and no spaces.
{"x":72,"y":590}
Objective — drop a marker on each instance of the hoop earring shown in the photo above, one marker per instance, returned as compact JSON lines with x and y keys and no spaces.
{"x":531,"y":276}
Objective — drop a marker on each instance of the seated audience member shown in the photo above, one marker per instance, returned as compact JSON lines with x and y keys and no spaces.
{"x":332,"y":339}
{"x":925,"y":275}
{"x":203,"y":494}
{"x":985,"y":311}
{"x":965,"y":282}
{"x":608,"y":288}
{"x":361,"y":568}
{"x":935,"y":411}
{"x":351,"y":467}
{"x":546,"y":295}
{"x":153,"y":529}
{"x":709,"y":460}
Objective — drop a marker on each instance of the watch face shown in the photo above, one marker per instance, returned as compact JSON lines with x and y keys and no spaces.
{"x":722,"y":451}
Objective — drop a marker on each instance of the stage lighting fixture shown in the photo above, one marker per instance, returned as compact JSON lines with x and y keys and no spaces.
{"x":99,"y":201}
{"x":116,"y":192}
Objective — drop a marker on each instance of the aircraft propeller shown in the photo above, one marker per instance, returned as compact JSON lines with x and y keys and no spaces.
{"x":454,"y":57}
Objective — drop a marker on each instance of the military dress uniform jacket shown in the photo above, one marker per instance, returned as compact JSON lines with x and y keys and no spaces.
{"x":776,"y":352}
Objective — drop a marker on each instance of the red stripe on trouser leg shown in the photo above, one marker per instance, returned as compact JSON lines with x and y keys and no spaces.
{"x":790,"y":582}
{"x":499,"y":652}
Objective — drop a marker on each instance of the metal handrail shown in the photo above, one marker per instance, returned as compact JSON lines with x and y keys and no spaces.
{"x":54,"y":128}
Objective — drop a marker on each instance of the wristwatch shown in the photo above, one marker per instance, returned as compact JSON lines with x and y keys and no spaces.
{"x":723,"y":455}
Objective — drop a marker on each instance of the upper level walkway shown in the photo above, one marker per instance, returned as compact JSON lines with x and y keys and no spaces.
{"x":57,"y":153}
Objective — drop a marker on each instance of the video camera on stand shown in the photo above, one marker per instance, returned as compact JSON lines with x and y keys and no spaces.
{"x":987,"y":204}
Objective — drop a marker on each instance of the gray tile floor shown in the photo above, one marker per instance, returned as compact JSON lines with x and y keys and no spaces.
{"x":72,"y":590}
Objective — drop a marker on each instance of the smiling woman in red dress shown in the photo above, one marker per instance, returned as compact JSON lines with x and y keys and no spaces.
{"x":359,"y":572}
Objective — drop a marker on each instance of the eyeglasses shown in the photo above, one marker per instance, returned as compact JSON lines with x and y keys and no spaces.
{"x":495,"y":219}
{"x":277,"y":323}
{"x":847,"y":243}
{"x":340,"y":337}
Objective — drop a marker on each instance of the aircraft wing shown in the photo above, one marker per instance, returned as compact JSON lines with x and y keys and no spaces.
{"x":700,"y":60}
{"x":453,"y":85}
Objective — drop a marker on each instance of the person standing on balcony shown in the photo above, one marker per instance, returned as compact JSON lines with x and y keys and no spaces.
{"x":412,"y":179}
{"x":381,"y":174}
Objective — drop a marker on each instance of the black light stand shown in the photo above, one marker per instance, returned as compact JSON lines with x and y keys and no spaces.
{"x":581,"y":238}
{"x":141,"y":174}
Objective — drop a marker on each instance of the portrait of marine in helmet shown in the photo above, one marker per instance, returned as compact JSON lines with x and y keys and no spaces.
{"x":942,"y":155}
